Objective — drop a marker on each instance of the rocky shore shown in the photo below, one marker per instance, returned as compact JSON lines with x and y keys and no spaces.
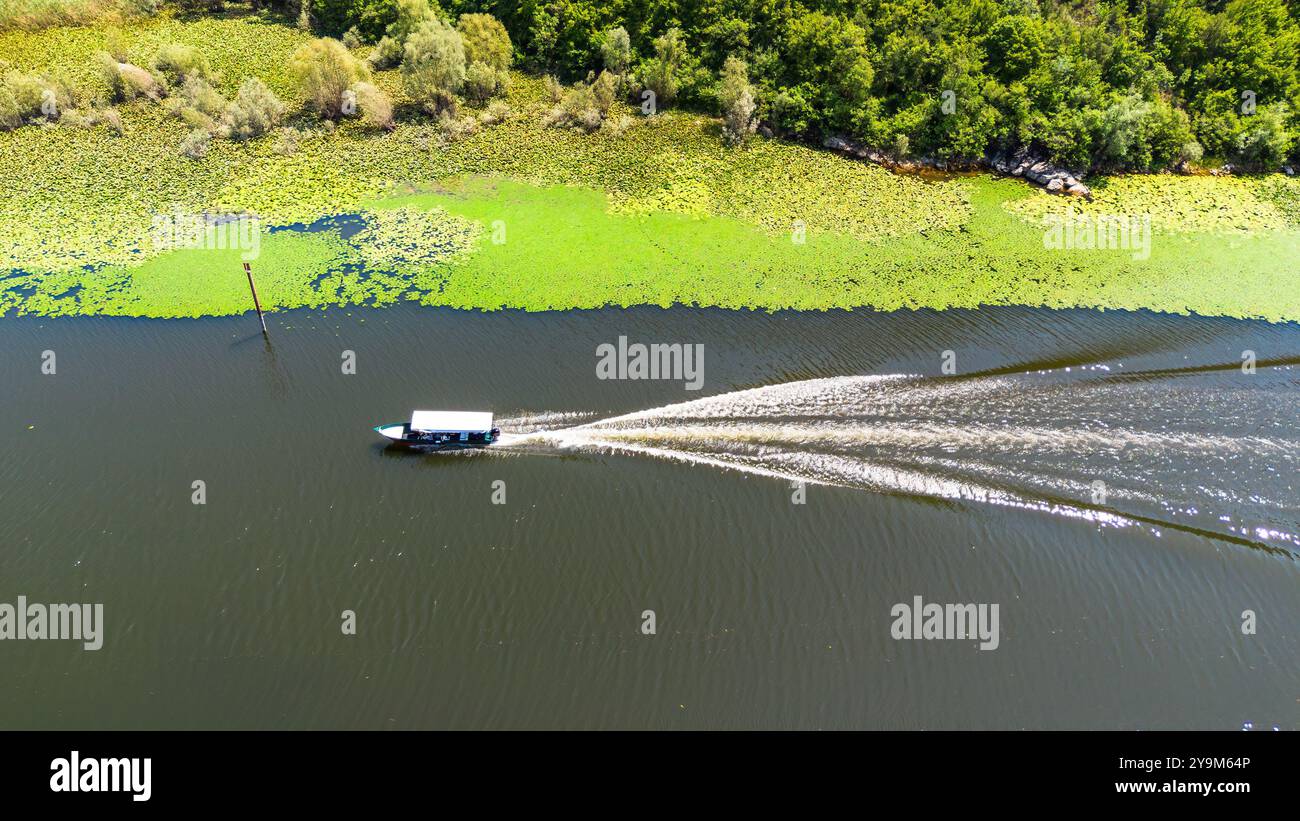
{"x":1053,"y":179}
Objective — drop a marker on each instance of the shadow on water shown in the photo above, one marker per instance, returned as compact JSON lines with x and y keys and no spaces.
{"x":275,"y":374}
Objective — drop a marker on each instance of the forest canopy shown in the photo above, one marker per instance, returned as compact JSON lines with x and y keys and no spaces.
{"x":1100,"y":85}
{"x":1140,"y":85}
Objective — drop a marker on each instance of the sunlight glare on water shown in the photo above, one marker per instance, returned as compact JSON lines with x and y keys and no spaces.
{"x":972,"y":440}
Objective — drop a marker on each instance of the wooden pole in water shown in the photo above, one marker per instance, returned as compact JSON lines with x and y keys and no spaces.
{"x":256,"y":304}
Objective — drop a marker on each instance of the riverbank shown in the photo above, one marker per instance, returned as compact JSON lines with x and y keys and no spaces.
{"x":518,"y":215}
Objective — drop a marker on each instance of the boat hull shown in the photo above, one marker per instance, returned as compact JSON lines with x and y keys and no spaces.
{"x":399,"y":435}
{"x":428,"y":446}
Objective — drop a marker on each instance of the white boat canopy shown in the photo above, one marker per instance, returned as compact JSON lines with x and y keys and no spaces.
{"x":451,"y":421}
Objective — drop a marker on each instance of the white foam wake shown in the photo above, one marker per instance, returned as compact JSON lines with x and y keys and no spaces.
{"x":1021,"y":441}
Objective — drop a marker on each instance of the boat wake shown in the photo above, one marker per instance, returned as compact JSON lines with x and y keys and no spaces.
{"x":1119,"y":450}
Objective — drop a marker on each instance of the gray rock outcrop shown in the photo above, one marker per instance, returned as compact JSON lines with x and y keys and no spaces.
{"x":1040,"y":172}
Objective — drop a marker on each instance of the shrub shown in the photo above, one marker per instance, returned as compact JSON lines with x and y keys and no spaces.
{"x":174,"y":62}
{"x":387,"y":53}
{"x":1170,"y":136}
{"x":142,"y":8}
{"x":433,"y":64}
{"x":324,"y":70}
{"x":1263,"y":142}
{"x":112,"y":121}
{"x":661,"y":73}
{"x":497,"y":112}
{"x":29,"y":92}
{"x":289,"y":142}
{"x":352,"y":38}
{"x":482,"y":81}
{"x":199,"y":95}
{"x":10,"y":116}
{"x":192,"y":117}
{"x":126,"y":81}
{"x":616,"y":126}
{"x":578,"y":109}
{"x":27,"y":98}
{"x":486,"y":41}
{"x":254,"y":111}
{"x":789,"y":111}
{"x":616,"y":51}
{"x":195,"y":145}
{"x":108,"y":71}
{"x":73,"y":118}
{"x":109,"y":118}
{"x":141,"y":82}
{"x":1122,"y":129}
{"x":736,"y":99}
{"x":409,"y":16}
{"x":453,"y":130}
{"x":374,"y":106}
{"x":603,"y":90}
{"x":1145,"y":135}
{"x":553,"y":88}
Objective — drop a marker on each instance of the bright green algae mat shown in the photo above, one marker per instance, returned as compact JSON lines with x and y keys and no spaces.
{"x":522,"y":216}
{"x":513,"y":245}
{"x":563,"y":249}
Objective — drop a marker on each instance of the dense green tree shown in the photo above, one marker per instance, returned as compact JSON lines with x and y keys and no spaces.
{"x":1141,"y":84}
{"x":1016,"y":46}
{"x":963,"y":125}
{"x":370,"y":17}
{"x":1264,"y":141}
{"x":408,"y":16}
{"x":826,"y":59}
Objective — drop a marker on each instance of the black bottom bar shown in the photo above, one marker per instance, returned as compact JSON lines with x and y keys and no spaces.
{"x":333,"y":770}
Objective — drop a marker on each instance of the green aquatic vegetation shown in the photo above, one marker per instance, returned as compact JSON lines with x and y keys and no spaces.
{"x":1284,"y":193}
{"x":235,"y":48}
{"x":563,"y":248}
{"x":190,"y":282}
{"x":681,"y":191}
{"x":38,"y":14}
{"x":662,"y":213}
{"x":1184,"y":205}
{"x":98,"y":193}
{"x":413,"y":238}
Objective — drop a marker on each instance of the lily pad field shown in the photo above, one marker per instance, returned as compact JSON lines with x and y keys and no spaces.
{"x":516,"y":214}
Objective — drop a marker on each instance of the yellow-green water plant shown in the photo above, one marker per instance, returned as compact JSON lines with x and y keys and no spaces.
{"x":413,"y":239}
{"x":662,"y":213}
{"x":1176,"y":204}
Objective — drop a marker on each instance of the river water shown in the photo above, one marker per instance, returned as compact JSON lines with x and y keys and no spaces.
{"x":1113,"y":482}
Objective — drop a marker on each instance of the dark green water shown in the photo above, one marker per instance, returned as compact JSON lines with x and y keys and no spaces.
{"x":1123,"y":613}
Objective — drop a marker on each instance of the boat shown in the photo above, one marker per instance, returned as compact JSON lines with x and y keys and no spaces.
{"x":442,"y":430}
